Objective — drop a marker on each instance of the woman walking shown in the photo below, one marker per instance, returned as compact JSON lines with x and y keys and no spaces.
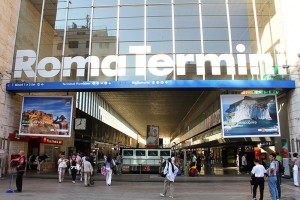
{"x":170,"y":171}
{"x":295,"y":161}
{"x":62,"y":165}
{"x":73,"y":167}
{"x":109,"y":164}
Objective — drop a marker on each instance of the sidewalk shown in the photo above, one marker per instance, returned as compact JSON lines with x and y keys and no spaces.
{"x":44,"y":185}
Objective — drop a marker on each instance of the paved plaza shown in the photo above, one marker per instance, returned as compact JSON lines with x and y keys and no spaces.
{"x":131,"y":187}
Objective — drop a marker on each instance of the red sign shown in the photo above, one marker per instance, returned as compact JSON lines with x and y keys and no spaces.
{"x":51,"y":141}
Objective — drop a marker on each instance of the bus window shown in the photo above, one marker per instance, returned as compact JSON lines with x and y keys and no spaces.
{"x":152,"y":153}
{"x":128,"y":153}
{"x":140,"y":153}
{"x":165,"y":153}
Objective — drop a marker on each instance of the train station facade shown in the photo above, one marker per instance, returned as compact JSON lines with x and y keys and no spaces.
{"x":75,"y":48}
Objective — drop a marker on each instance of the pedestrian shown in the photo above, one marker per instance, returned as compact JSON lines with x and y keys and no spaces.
{"x":199,"y":164}
{"x":162,"y":164}
{"x":272,"y":180}
{"x":278,"y":176}
{"x":73,"y":167}
{"x":109,"y":165}
{"x":87,"y":169}
{"x":244,"y":167}
{"x":62,"y":165}
{"x":258,"y":173}
{"x":119,"y":163}
{"x":20,"y":171}
{"x":295,"y":165}
{"x":171,"y":172}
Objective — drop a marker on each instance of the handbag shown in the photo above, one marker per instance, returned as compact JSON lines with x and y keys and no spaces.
{"x":252,"y":180}
{"x":63,"y":164}
{"x":162,"y":174}
{"x":103,"y":170}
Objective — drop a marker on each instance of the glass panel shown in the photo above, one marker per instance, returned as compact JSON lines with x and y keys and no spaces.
{"x":165,"y":153}
{"x":158,"y":1}
{"x":215,"y":34}
{"x":80,"y":4}
{"x":131,"y":11}
{"x":104,"y":40}
{"x":186,"y":1}
{"x":140,"y":153}
{"x":152,"y":153}
{"x":187,"y":22}
{"x":159,"y":47}
{"x":124,"y":46}
{"x":131,"y":23}
{"x":239,"y":9}
{"x":105,"y":2}
{"x":27,"y":36}
{"x":128,"y":2}
{"x":188,"y":47}
{"x":131,"y":69}
{"x":213,"y":9}
{"x":162,"y":10}
{"x":132,"y":35}
{"x":77,"y":33}
{"x":214,"y":21}
{"x":127,"y":152}
{"x":159,"y":34}
{"x":164,"y":22}
{"x":216,"y":47}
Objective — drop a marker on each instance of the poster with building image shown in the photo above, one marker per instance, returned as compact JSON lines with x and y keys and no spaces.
{"x":152,"y":140}
{"x":249,"y":116}
{"x":46,"y":116}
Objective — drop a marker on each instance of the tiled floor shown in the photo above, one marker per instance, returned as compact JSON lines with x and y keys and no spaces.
{"x":143,"y":187}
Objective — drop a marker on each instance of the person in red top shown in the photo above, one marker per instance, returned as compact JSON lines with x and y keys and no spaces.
{"x":20,"y":171}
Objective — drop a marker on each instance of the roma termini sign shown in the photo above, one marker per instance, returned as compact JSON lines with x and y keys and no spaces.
{"x":158,"y":65}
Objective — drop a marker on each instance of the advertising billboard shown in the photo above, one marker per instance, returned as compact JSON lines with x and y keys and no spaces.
{"x":46,"y":116}
{"x":152,"y":136}
{"x":249,"y":116}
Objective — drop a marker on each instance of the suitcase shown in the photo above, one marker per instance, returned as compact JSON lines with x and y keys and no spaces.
{"x":193,"y":171}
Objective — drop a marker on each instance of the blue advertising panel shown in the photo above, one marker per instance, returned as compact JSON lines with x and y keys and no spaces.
{"x":164,"y":84}
{"x":249,"y":116}
{"x":46,"y":116}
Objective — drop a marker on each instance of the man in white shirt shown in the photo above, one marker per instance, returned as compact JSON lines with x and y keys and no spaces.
{"x":244,"y":164}
{"x":258,"y":174}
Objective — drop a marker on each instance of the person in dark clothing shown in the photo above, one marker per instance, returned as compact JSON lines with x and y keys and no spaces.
{"x":73,"y":166}
{"x":199,"y":164}
{"x":20,"y":171}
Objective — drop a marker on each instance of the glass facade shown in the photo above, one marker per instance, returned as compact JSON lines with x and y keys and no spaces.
{"x":98,"y":40}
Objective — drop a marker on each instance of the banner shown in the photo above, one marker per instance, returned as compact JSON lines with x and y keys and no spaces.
{"x":152,"y":136}
{"x":249,"y":116}
{"x":46,"y":116}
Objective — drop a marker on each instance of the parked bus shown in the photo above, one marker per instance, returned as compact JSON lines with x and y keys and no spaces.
{"x":139,"y":160}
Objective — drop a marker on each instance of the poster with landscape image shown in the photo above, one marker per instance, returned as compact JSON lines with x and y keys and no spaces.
{"x":46,"y":116}
{"x":249,"y":116}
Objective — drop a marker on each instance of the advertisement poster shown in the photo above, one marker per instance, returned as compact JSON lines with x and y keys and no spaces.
{"x":249,"y":116}
{"x":46,"y":116}
{"x":152,"y":136}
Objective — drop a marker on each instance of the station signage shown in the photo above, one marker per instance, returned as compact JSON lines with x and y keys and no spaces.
{"x":159,"y":65}
{"x":166,"y":84}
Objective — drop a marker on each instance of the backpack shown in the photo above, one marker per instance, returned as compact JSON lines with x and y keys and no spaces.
{"x":280,"y":167}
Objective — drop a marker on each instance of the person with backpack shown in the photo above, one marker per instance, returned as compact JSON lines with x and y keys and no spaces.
{"x":170,"y":171}
{"x":279,"y":172}
{"x":109,"y":165}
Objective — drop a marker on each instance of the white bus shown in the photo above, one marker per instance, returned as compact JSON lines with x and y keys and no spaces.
{"x":139,"y":160}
